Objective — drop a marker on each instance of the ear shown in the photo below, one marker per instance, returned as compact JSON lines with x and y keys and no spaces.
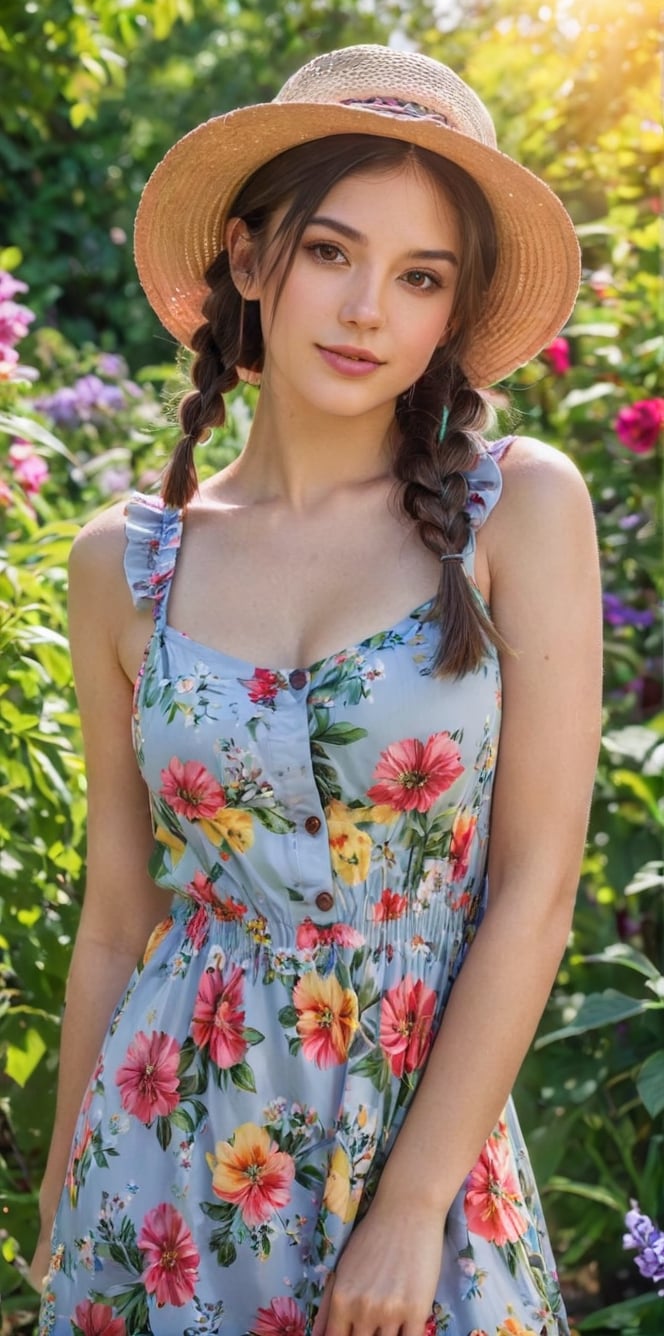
{"x":241,"y":248}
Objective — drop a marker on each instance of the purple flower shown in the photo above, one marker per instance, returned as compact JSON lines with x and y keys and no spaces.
{"x":92,"y":394}
{"x":114,"y":480}
{"x":14,"y":321}
{"x":618,"y":613}
{"x":648,"y":1239}
{"x":9,"y":286}
{"x":62,"y":407}
{"x":111,"y":364}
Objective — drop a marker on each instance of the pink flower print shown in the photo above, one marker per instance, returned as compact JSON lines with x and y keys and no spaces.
{"x":639,"y":425}
{"x":171,"y":1256}
{"x":391,"y":906}
{"x":148,"y":1077}
{"x":191,"y":790}
{"x":406,"y":1017}
{"x":202,"y":891}
{"x":263,"y":686}
{"x":493,"y":1201}
{"x":327,"y":1018}
{"x":557,"y":355}
{"x":461,"y":843}
{"x":98,"y":1320}
{"x":412,"y":774}
{"x":283,"y":1318}
{"x":218,"y":1021}
{"x":309,"y":935}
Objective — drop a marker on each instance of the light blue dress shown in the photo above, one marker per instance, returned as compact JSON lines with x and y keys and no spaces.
{"x":321,"y":839}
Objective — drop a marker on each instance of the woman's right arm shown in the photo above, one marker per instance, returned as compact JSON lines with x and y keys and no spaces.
{"x":122,"y":903}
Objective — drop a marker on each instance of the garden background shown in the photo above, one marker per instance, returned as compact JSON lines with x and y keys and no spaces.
{"x":92,"y":94}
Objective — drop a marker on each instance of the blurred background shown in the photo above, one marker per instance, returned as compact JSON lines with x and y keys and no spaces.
{"x":92,"y":94}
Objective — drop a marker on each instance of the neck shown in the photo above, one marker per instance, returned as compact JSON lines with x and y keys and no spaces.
{"x":300,"y":456}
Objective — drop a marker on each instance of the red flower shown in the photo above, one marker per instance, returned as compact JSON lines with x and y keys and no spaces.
{"x":172,"y":1258}
{"x":218,"y":1021}
{"x":148,"y":1077}
{"x":191,"y":790}
{"x":557,"y":355}
{"x":202,"y":891}
{"x":412,"y":774}
{"x":263,"y":686}
{"x":406,"y":1017}
{"x":98,"y":1320}
{"x":639,"y":425}
{"x":283,"y":1318}
{"x":493,"y":1202}
{"x":390,"y":906}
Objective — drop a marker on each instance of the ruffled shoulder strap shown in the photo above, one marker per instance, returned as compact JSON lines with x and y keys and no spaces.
{"x":153,"y":532}
{"x":485,"y":481}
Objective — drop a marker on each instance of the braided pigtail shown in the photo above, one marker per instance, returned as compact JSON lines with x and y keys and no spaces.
{"x":230,"y":337}
{"x":435,"y":494}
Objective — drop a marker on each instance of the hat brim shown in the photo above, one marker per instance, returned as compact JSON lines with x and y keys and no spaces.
{"x":184,"y":207}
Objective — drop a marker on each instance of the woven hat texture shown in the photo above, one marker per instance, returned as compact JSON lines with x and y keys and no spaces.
{"x":370,"y":90}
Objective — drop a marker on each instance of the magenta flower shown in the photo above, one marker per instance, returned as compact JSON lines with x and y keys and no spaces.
{"x":29,"y":469}
{"x":14,"y":321}
{"x":148,"y":1077}
{"x":557,"y":355}
{"x":639,"y":425}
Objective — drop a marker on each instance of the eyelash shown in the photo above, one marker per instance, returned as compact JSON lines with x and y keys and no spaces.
{"x":315,"y":246}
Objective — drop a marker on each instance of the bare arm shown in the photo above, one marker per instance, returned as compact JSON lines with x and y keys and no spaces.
{"x":122,"y":903}
{"x":546,"y":602}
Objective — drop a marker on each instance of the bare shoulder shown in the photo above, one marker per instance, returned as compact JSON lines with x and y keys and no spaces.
{"x":96,"y":563}
{"x":544,"y":499}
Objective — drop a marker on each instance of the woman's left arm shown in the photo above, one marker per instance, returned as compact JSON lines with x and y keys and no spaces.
{"x":546,"y":602}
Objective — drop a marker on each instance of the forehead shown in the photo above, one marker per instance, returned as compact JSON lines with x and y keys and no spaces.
{"x":392,"y":201}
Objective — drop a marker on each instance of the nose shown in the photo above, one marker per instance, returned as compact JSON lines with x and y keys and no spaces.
{"x":362,"y":303}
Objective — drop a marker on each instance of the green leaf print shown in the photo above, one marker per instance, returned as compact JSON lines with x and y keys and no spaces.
{"x":341,"y":734}
{"x":164,"y":1132}
{"x":181,"y":1118}
{"x":188,"y":1052}
{"x":293,"y":894}
{"x":272,"y":820}
{"x":251,"y":1036}
{"x":224,"y":1211}
{"x":375,"y":1066}
{"x":224,"y":1247}
{"x":288,"y":1017}
{"x":243,"y":1077}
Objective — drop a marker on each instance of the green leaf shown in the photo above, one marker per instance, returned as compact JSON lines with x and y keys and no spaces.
{"x":599,"y":1009}
{"x":650,"y":1083}
{"x":21,"y":1060}
{"x":620,"y":1317}
{"x":619,"y":953}
{"x":591,"y":1191}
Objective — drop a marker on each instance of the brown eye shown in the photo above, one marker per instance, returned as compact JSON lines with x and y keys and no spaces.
{"x":418,"y":278}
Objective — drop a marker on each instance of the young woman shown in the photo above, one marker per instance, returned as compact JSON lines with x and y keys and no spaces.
{"x":300,"y":1120}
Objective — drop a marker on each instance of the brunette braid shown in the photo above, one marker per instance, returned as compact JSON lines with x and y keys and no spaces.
{"x":230,"y":337}
{"x":435,"y":494}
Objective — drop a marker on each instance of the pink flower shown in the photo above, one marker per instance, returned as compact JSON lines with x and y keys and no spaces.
{"x":557,"y":355}
{"x":14,"y":321}
{"x":98,"y":1320}
{"x":148,"y":1077}
{"x":639,"y":425}
{"x":327,"y":1018}
{"x":191,"y":790}
{"x":390,"y":906}
{"x":461,"y":843}
{"x":412,"y":774}
{"x":309,"y":935}
{"x":172,"y":1258}
{"x":406,"y":1016}
{"x":283,"y":1318}
{"x":29,"y":469}
{"x":10,"y":286}
{"x":202,"y":891}
{"x":493,"y":1203}
{"x":218,"y":1020}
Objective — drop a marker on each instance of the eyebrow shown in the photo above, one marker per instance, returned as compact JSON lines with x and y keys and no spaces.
{"x":353,"y":235}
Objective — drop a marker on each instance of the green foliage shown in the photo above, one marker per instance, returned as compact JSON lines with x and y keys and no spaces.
{"x":90,"y":105}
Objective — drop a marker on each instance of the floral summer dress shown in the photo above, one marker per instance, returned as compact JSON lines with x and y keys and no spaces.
{"x":321,"y":838}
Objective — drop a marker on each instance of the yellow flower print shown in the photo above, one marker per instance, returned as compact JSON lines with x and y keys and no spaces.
{"x":337,"y":1195}
{"x":230,"y":826}
{"x":172,"y":842}
{"x":382,"y":814}
{"x":350,"y":848}
{"x":156,"y":938}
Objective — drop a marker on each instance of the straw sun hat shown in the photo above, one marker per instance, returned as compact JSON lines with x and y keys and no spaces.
{"x":369,"y":90}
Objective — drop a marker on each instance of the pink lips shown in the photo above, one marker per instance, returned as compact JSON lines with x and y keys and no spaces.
{"x":350,"y":361}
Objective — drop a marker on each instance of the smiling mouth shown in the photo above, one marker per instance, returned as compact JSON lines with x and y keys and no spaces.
{"x":351,"y":357}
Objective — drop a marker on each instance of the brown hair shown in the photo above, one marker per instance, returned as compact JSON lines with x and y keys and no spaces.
{"x":434,"y":491}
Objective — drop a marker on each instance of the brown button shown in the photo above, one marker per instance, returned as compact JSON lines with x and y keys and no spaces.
{"x":312,"y":824}
{"x":324,"y":900}
{"x":298,"y":678}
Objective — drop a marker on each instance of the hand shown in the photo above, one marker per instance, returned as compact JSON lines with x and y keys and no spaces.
{"x":39,"y":1265}
{"x":386,"y":1278}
